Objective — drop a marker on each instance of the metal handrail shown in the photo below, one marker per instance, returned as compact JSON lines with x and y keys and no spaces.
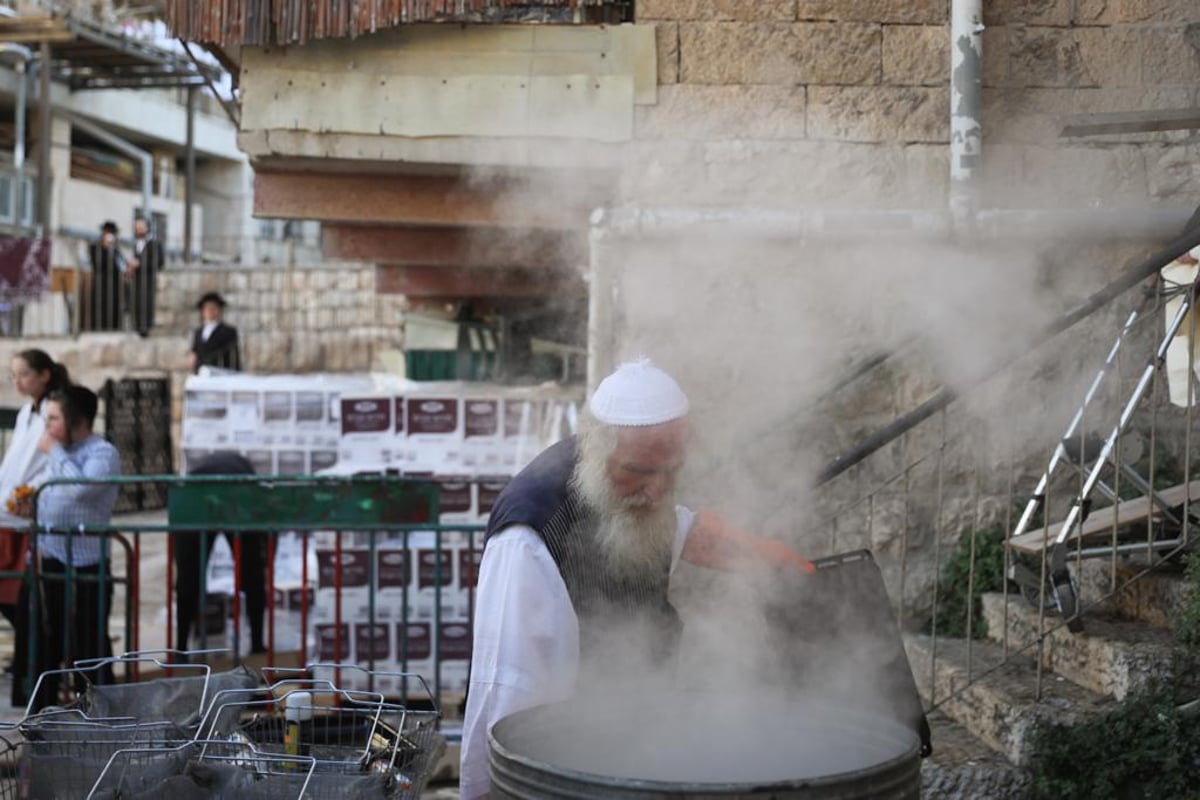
{"x":946,"y":395}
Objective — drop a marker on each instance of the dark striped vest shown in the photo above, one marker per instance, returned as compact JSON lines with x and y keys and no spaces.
{"x":542,"y":498}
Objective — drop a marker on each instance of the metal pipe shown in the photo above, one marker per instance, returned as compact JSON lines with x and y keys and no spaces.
{"x":189,"y":175}
{"x":125,"y":146}
{"x":24,"y":56}
{"x":893,"y":430}
{"x":44,"y":120}
{"x":966,"y":106}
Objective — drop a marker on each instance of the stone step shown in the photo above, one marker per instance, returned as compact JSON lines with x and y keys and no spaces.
{"x":1154,"y":598}
{"x":993,"y":697}
{"x":964,"y":768}
{"x":1111,"y":656}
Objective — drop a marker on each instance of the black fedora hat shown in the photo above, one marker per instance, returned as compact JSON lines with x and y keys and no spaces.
{"x":210,"y":297}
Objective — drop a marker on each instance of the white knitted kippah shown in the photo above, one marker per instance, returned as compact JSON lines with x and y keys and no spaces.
{"x":637,"y":394}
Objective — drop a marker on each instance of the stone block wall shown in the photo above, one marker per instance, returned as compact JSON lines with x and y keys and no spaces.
{"x":320,"y":319}
{"x":820,"y":103}
{"x":301,"y":319}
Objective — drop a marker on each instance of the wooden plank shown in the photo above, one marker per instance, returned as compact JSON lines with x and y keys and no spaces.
{"x":1132,"y":122}
{"x":1100,"y":521}
{"x":582,"y":106}
{"x":418,"y":200}
{"x":462,"y":284}
{"x":489,"y":248}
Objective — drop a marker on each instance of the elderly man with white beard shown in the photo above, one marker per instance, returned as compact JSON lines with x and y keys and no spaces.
{"x":578,"y":555}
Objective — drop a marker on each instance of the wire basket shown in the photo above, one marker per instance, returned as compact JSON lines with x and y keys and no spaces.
{"x":62,"y":758}
{"x":387,"y":748}
{"x":61,"y":752}
{"x":203,"y":769}
{"x":12,"y":747}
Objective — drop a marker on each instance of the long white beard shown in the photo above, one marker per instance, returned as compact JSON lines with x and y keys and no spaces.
{"x":634,"y":537}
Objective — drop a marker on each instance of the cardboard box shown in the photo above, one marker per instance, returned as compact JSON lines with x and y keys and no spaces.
{"x":483,"y":438}
{"x":291,"y":462}
{"x":354,"y":571}
{"x":456,"y":500}
{"x":487,"y":491}
{"x":434,"y":439}
{"x":312,"y":419}
{"x":372,"y":642}
{"x":319,"y":460}
{"x":366,"y":430}
{"x":420,"y":641}
{"x":205,"y":419}
{"x":262,"y":460}
{"x":333,"y":643}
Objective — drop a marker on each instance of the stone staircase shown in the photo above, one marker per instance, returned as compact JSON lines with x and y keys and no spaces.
{"x":985,"y":690}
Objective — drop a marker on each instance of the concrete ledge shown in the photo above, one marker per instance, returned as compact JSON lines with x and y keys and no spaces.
{"x":964,"y":767}
{"x":1110,"y":657}
{"x":1153,"y":598}
{"x":996,"y":701}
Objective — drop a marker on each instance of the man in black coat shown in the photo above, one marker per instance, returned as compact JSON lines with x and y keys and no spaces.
{"x":106,"y":301}
{"x":192,"y":552}
{"x":214,"y":344}
{"x":144,"y":269}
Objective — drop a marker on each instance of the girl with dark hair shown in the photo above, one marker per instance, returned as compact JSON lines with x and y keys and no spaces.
{"x":34,"y":375}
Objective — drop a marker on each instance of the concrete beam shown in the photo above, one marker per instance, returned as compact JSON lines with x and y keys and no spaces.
{"x":418,"y":200}
{"x":458,"y":283}
{"x":492,"y":248}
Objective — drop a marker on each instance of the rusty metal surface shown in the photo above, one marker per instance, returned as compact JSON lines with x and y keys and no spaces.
{"x":417,"y":200}
{"x":277,"y":22}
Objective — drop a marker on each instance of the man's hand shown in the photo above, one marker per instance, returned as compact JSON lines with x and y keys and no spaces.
{"x":716,"y":544}
{"x":773,"y":551}
{"x":46,"y":443}
{"x":191,"y":360}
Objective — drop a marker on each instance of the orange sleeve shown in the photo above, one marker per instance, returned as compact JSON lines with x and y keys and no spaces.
{"x":716,"y":544}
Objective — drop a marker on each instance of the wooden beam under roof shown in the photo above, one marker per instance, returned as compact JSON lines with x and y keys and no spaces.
{"x":31,"y":30}
{"x":432,"y":200}
{"x":494,"y":248}
{"x":462,"y":284}
{"x":1180,"y":119}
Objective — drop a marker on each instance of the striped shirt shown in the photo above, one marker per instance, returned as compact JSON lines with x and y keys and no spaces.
{"x":67,"y":506}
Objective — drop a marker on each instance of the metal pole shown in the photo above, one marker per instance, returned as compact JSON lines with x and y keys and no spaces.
{"x":966,"y":81}
{"x":24,"y":56}
{"x":189,"y":174}
{"x":43,"y":194}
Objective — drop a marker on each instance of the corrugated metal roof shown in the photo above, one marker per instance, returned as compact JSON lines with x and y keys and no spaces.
{"x":277,"y":22}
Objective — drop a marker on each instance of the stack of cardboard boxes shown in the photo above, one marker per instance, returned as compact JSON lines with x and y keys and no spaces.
{"x":468,"y":438}
{"x":283,"y":424}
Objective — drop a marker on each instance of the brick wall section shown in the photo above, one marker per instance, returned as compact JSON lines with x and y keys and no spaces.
{"x":827,"y":102}
{"x":329,"y":320}
{"x":299,"y":320}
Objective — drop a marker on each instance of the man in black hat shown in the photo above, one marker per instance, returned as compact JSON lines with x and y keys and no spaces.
{"x":144,"y":268}
{"x":214,"y":344}
{"x":106,"y":304}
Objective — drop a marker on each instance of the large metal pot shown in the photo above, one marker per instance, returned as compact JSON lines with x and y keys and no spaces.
{"x":689,"y":745}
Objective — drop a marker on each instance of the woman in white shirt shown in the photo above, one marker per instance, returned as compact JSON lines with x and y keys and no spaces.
{"x":34,"y":375}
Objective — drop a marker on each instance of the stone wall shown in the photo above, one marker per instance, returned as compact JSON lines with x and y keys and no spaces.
{"x":812,"y":102}
{"x":301,"y":319}
{"x":321,"y":319}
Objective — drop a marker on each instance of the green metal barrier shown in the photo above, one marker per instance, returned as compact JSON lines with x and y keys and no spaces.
{"x":243,"y":504}
{"x":364,"y":503}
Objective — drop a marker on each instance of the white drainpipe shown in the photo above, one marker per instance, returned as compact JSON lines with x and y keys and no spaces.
{"x":966,"y":106}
